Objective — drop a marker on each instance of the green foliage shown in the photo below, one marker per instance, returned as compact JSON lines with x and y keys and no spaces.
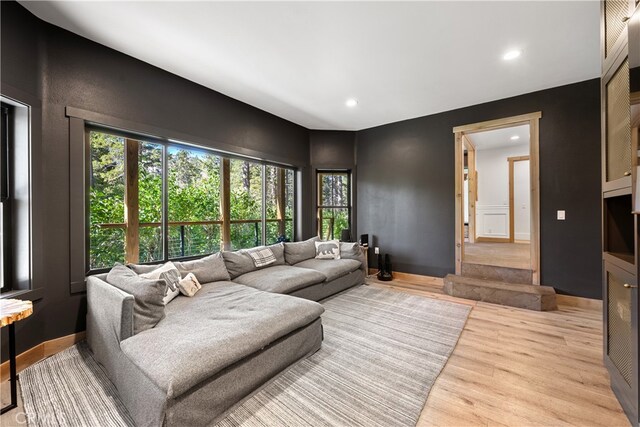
{"x":335,"y":195}
{"x":194,"y":194}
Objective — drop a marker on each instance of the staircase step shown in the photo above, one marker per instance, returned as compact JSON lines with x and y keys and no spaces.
{"x":532,"y":297}
{"x":494,"y":272}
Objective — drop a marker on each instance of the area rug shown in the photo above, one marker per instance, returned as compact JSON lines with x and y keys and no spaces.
{"x":71,"y":389}
{"x":381,"y":354}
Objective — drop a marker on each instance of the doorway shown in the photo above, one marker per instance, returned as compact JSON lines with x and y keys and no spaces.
{"x":497,"y":218}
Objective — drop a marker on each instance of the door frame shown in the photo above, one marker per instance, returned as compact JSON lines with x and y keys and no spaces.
{"x":512,"y":227}
{"x":533,"y":120}
{"x":472,"y":179}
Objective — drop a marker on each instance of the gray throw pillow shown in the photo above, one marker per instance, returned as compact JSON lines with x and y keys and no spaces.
{"x":144,"y":268}
{"x":350,"y":250}
{"x":295,"y":252}
{"x":278,"y":252}
{"x":208,"y":269}
{"x":238,"y":263}
{"x":353,"y":251}
{"x":148,"y":294}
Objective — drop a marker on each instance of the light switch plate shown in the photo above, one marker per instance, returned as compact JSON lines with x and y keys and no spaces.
{"x":561,"y":215}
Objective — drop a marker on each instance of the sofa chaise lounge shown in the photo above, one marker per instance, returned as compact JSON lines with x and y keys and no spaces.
{"x":212,"y":350}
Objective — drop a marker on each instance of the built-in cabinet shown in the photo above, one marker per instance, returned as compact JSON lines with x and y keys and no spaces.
{"x":620,"y":47}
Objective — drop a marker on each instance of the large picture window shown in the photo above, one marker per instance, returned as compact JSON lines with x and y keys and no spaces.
{"x":334,"y":203}
{"x":135,"y":184}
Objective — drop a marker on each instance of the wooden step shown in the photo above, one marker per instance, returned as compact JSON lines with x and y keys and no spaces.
{"x":532,"y":297}
{"x":498,"y":273}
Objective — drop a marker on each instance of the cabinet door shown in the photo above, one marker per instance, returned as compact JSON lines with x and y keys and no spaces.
{"x":617,"y":151}
{"x":614,"y":15}
{"x":621,"y":336}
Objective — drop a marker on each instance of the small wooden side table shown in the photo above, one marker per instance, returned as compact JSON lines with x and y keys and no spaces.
{"x":12,"y":310}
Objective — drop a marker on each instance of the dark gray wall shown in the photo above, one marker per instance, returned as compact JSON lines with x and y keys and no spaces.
{"x":406,"y":186}
{"x":62,"y":69}
{"x":332,"y":149}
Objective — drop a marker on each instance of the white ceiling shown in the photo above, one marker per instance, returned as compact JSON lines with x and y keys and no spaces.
{"x":500,"y":138}
{"x":302,"y":60}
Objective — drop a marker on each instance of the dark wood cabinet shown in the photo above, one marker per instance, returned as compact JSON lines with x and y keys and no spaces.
{"x":620,"y":46}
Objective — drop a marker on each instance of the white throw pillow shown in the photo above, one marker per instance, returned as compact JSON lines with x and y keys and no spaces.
{"x":171,"y":275}
{"x":189,"y":285}
{"x":328,"y":249}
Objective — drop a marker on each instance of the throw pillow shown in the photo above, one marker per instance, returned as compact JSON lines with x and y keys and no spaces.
{"x":238,"y":263}
{"x":148,"y":307}
{"x":171,"y":275}
{"x":208,"y":269}
{"x":278,"y":252}
{"x":296,"y":252}
{"x":262,"y":256}
{"x":143,"y":268}
{"x":189,"y":285}
{"x":329,"y":249}
{"x":353,"y":251}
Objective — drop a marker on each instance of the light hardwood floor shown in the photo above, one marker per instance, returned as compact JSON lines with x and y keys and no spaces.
{"x":515,"y":367}
{"x":512,"y":367}
{"x":514,"y":255}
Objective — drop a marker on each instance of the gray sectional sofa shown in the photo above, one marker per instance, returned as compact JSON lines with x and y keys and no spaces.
{"x":210,"y":351}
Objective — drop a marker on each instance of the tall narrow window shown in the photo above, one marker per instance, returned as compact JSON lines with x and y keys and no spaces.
{"x":106,"y":200}
{"x":5,"y":200}
{"x":194,"y":202}
{"x":246,"y":204}
{"x":150,"y":202}
{"x":334,"y":203}
{"x":279,"y":190}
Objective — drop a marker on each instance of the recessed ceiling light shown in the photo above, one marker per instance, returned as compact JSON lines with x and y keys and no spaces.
{"x":512,"y":54}
{"x":351,"y":102}
{"x":514,"y":138}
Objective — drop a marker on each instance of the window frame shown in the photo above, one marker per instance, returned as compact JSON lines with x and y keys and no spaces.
{"x":319,"y":206}
{"x":6,"y":196}
{"x":166,"y":144}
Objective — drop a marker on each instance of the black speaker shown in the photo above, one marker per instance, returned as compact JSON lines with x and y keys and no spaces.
{"x":364,"y":239}
{"x":384,"y":272}
{"x":345,"y":235}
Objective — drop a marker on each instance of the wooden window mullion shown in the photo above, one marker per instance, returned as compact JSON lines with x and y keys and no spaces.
{"x":131,"y":201}
{"x":281,"y":201}
{"x":225,"y":202}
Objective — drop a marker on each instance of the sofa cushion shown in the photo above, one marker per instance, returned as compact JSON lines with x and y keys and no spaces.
{"x":240,"y":262}
{"x":350,"y":250}
{"x":144,"y":268}
{"x":171,"y":275}
{"x":278,"y":252}
{"x":208,"y":269}
{"x":281,"y":279}
{"x":148,"y":294}
{"x":295,"y":252}
{"x":353,"y":251}
{"x":332,"y":268}
{"x":233,"y":322}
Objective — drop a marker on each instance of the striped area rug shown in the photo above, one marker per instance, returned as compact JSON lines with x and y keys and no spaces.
{"x":381,"y":354}
{"x":71,"y":389}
